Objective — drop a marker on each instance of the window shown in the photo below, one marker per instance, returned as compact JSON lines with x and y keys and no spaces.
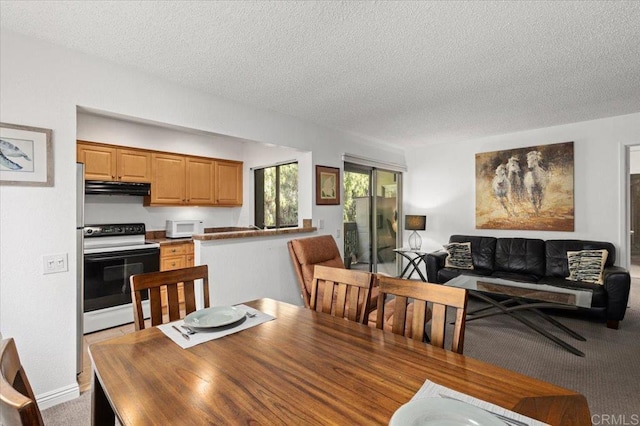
{"x":276,"y":198}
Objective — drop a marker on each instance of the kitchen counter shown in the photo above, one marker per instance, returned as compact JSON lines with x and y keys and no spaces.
{"x":250,"y":233}
{"x":225,"y":233}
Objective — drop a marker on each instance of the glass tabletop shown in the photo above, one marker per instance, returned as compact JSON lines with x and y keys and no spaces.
{"x":541,"y":292}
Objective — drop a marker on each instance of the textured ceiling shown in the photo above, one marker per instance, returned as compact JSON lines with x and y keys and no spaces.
{"x":403,"y":73}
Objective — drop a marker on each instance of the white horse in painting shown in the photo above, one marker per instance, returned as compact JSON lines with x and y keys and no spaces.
{"x":535,"y":180}
{"x":516,"y":181}
{"x":500,"y":185}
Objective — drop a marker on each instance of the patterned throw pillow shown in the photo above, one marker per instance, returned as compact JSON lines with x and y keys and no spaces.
{"x":587,"y":265}
{"x":459,"y":256}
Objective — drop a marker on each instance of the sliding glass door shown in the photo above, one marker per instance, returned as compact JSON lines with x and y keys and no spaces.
{"x":370,"y":218}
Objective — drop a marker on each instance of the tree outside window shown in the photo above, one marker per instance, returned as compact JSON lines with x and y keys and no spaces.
{"x":276,"y":191}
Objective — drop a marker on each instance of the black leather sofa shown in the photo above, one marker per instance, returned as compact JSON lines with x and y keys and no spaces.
{"x":539,"y":261}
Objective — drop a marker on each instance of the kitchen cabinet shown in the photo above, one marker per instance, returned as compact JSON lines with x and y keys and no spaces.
{"x":200,"y":180}
{"x":228,"y":178}
{"x":182,"y":180}
{"x":111,"y":163}
{"x":175,"y":256}
{"x":176,"y":179}
{"x":168,"y":179}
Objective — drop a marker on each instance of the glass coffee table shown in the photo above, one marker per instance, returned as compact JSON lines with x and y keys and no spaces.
{"x":513,"y":298}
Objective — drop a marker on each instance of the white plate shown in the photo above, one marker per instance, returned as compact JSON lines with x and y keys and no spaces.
{"x":442,"y":412}
{"x":216,"y":316}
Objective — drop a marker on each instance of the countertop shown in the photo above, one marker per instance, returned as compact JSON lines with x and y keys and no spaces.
{"x":224,"y":233}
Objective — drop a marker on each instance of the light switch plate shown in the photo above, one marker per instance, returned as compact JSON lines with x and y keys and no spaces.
{"x":54,"y":263}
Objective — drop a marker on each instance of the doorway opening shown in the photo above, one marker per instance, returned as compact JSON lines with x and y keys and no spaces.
{"x":634,"y":210}
{"x":370,"y":218}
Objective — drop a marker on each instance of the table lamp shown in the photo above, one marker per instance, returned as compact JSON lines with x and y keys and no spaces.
{"x":415,"y":223}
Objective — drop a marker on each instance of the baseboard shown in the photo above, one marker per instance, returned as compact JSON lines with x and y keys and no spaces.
{"x":58,"y":396}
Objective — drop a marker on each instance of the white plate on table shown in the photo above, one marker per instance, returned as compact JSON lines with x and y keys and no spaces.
{"x":216,"y":316}
{"x":442,"y":412}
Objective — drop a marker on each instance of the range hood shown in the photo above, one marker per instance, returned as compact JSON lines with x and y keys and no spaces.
{"x":116,"y":188}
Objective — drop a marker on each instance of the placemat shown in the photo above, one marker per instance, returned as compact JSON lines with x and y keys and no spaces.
{"x":433,"y":390}
{"x":205,"y":335}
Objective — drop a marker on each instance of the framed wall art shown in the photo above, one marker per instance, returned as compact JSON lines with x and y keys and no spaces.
{"x":26,"y":156}
{"x":327,"y":185}
{"x":526,"y":188}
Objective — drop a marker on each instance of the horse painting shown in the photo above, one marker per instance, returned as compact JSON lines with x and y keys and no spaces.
{"x":526,"y":188}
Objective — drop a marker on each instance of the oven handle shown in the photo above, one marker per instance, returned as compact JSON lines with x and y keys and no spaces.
{"x":119,"y":255}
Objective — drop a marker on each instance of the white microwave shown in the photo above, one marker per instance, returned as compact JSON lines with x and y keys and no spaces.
{"x":184,"y":228}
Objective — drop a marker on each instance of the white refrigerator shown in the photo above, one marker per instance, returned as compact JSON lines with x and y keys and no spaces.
{"x":80,"y":264}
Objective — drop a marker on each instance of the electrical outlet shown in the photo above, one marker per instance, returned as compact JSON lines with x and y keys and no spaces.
{"x":337,"y":233}
{"x":54,"y":263}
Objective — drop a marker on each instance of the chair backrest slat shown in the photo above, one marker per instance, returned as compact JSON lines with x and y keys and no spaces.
{"x":345,"y":292}
{"x":154,"y":281}
{"x":439,"y":296}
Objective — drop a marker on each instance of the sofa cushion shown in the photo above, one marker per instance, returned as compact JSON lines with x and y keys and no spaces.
{"x":516,"y":276}
{"x":482,"y":249}
{"x":556,"y":254}
{"x":586,"y":265}
{"x":445,"y":274}
{"x":524,"y":256}
{"x":458,"y":256}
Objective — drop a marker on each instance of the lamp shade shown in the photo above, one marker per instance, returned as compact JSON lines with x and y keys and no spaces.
{"x":415,"y":222}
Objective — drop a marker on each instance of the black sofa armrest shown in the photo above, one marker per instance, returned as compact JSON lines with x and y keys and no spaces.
{"x":435,"y":262}
{"x":617,"y":283}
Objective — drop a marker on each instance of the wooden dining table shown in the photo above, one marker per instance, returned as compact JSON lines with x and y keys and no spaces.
{"x":303,"y":367}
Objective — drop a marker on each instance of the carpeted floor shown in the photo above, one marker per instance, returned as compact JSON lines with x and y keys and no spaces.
{"x":608,"y":376}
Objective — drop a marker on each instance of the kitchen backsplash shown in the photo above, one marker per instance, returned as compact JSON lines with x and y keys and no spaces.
{"x":103,"y":209}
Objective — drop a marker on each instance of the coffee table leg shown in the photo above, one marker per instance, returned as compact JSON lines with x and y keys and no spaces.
{"x":516,"y":315}
{"x":559,"y":325}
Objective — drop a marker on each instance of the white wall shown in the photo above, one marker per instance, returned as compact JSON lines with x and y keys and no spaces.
{"x":42,"y":85}
{"x":441,"y":181}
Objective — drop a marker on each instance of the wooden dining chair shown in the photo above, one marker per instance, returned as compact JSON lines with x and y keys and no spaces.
{"x":154,"y":281}
{"x":341,"y":292}
{"x":439,"y":296}
{"x":18,"y":404}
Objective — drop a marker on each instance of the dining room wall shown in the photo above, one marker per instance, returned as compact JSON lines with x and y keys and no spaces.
{"x":441,"y":182}
{"x":42,"y":85}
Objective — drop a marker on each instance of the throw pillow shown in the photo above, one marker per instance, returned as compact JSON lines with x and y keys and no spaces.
{"x":459,"y":256}
{"x":587,"y":265}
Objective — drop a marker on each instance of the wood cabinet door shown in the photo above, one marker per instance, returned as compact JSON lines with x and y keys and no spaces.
{"x":200,"y":178}
{"x":228,"y":180}
{"x":134,"y":165}
{"x":168,"y":179}
{"x":170,"y":263}
{"x":99,"y":161}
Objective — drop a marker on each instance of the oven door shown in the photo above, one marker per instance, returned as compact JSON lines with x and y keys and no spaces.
{"x":106,"y":276}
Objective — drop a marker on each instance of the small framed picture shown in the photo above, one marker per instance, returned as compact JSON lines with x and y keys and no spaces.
{"x":327,"y":185}
{"x":26,"y":156}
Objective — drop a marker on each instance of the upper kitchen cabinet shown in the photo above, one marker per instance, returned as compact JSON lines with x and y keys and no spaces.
{"x":200,"y":181}
{"x":168,"y":178}
{"x":228,"y":179}
{"x":109,"y":163}
{"x":179,"y":180}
